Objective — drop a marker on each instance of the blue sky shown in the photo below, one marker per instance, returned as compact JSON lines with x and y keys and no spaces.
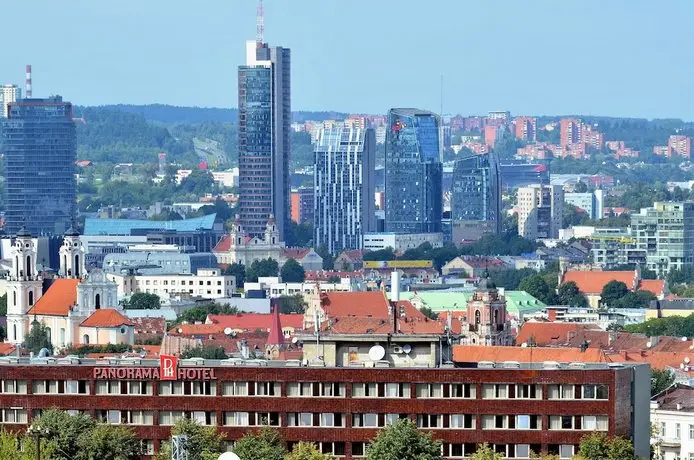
{"x":600,"y":57}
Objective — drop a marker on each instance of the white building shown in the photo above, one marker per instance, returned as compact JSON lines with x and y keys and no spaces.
{"x":540,"y":211}
{"x":207,"y":283}
{"x":274,"y":288}
{"x":672,"y":416}
{"x":239,"y":247}
{"x":9,"y":94}
{"x":593,"y":203}
{"x":400,"y":242}
{"x":228,"y":178}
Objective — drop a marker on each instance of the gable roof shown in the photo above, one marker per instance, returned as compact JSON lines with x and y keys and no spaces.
{"x":657,"y":287}
{"x":678,"y":397}
{"x":365,"y":304}
{"x":296,"y":253}
{"x":6,"y":349}
{"x":106,"y":317}
{"x":551,"y":333}
{"x":254,"y":321}
{"x":592,"y":282}
{"x":351,"y":255}
{"x":60,"y":296}
{"x":475,"y":354}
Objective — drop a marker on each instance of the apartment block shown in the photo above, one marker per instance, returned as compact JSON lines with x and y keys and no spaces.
{"x":206,"y":283}
{"x":540,"y":211}
{"x":680,"y":146}
{"x":526,"y":128}
{"x":570,"y":132}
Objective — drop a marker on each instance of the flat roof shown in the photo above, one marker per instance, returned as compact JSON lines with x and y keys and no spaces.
{"x":94,"y":226}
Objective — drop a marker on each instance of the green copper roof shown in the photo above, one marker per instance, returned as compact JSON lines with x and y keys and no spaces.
{"x":517,"y":302}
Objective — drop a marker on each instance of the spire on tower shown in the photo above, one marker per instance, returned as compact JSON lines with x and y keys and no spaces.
{"x":260,"y":24}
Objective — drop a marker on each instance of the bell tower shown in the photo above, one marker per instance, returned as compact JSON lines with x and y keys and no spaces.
{"x":72,"y":254}
{"x":24,"y":285}
{"x":272,"y":235}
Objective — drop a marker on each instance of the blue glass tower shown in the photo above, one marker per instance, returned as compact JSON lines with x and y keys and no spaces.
{"x":476,"y":191}
{"x":40,"y":151}
{"x":413,"y":172}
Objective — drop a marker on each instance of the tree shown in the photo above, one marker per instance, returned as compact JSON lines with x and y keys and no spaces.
{"x":638,"y":299}
{"x":261,"y":268}
{"x":381,"y":254}
{"x":306,"y":451}
{"x":38,"y":338}
{"x":334,"y":279}
{"x":203,"y":442}
{"x":570,"y":295}
{"x":142,"y":301}
{"x":109,"y":442}
{"x":291,"y":303}
{"x":199,"y":312}
{"x":266,"y":444}
{"x":328,"y":259}
{"x":612,"y":292}
{"x":237,"y":270}
{"x":205,"y":352}
{"x":19,"y":447}
{"x":403,"y":441}
{"x":429,"y":313}
{"x":661,"y":379}
{"x":597,"y":446}
{"x":3,"y":305}
{"x":536,"y":286}
{"x":65,"y":431}
{"x":292,"y":272}
{"x":674,"y":326}
{"x":484,"y":452}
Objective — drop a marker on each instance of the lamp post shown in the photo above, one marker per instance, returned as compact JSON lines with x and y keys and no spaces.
{"x":37,"y":433}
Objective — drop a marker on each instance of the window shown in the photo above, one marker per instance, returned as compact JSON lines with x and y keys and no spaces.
{"x":678,"y":434}
{"x":691,"y":432}
{"x":561,"y":422}
{"x":170,"y":417}
{"x":13,"y":387}
{"x":359,"y":449}
{"x":365,"y":420}
{"x":236,"y":419}
{"x":561,"y":391}
{"x":528,"y":391}
{"x":300,"y":419}
{"x":460,"y":390}
{"x":147,"y":446}
{"x":494,"y":391}
{"x":462,"y":421}
{"x":594,"y":422}
{"x":392,"y":418}
{"x":365,"y":390}
{"x":40,"y":387}
{"x":332,"y":448}
{"x":595,"y":392}
{"x":522,"y":450}
{"x":494,"y":422}
{"x":107,"y":387}
{"x":397,"y":390}
{"x":566,"y":451}
{"x":662,"y":429}
{"x":234,"y":389}
{"x":13,"y":416}
{"x":267,"y":389}
{"x":429,"y":390}
{"x":330,"y":420}
{"x":429,"y":421}
{"x":140,"y":388}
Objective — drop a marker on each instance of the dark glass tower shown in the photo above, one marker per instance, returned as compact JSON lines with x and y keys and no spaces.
{"x":413,"y":172}
{"x":476,"y":191}
{"x":40,"y":152}
{"x":264,"y":138}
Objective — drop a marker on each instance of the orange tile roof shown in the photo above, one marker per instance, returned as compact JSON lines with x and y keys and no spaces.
{"x":60,"y":296}
{"x":657,"y":287}
{"x":253,"y":321}
{"x":7,"y":349}
{"x":195,"y":329}
{"x":551,"y":333}
{"x":224,"y":244}
{"x":357,"y":321}
{"x":592,"y":282}
{"x":475,"y":354}
{"x":107,"y":317}
{"x":657,"y":359}
{"x":295,"y":253}
{"x":367,"y":304}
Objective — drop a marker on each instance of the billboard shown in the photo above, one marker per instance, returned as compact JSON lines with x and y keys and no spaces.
{"x":377,"y":264}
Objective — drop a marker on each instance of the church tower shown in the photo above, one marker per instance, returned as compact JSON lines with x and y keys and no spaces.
{"x":72,"y":253}
{"x":486,"y":316}
{"x":24,"y":285}
{"x":237,"y":234}
{"x":272,"y":235}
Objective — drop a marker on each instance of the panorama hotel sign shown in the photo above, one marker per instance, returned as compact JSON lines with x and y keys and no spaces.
{"x":168,"y":370}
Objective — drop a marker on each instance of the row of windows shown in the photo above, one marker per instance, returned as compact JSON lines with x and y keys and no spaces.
{"x":182,"y":282}
{"x":309,"y":389}
{"x":677,"y":432}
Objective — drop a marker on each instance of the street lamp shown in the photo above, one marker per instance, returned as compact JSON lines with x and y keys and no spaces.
{"x":37,"y":433}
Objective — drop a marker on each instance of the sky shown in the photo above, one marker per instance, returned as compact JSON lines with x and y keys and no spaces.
{"x":631,"y":58}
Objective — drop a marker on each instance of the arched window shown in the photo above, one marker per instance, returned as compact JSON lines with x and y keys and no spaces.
{"x":85,"y":339}
{"x":496,"y":316}
{"x":478,"y":318}
{"x":65,"y":264}
{"x":31,"y":297}
{"x":14,"y":298}
{"x":76,"y":268}
{"x":14,"y":331}
{"x":16,"y":266}
{"x":29,"y":273}
{"x":48,"y":334}
{"x":62,"y":336}
{"x":97,"y":301}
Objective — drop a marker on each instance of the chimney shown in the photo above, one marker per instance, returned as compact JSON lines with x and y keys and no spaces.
{"x":28,"y":81}
{"x":551,"y":314}
{"x":395,"y":286}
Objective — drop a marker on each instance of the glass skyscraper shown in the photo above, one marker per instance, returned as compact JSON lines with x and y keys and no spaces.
{"x":344,"y":179}
{"x":476,"y":191}
{"x":40,"y":152}
{"x":413,"y":172}
{"x":264,"y":137}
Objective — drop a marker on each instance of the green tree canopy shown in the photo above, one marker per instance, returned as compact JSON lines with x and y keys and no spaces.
{"x":306,"y":451}
{"x":536,"y":286}
{"x":598,"y":446}
{"x":261,"y":268}
{"x":381,"y":254}
{"x":613,"y":292}
{"x":485,"y":452}
{"x":199,"y":312}
{"x":638,"y":299}
{"x":291,"y":303}
{"x":17,"y":447}
{"x":109,"y":442}
{"x":328,"y":259}
{"x":38,"y":338}
{"x":403,"y":441}
{"x":237,"y":270}
{"x":570,"y":295}
{"x":266,"y":444}
{"x":661,"y":379}
{"x":203,"y":442}
{"x":3,"y":305}
{"x":674,"y":326}
{"x":292,"y":272}
{"x":205,"y":352}
{"x":142,"y":301}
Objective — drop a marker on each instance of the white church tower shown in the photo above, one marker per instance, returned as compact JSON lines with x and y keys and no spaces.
{"x":72,"y":255}
{"x":24,"y":285}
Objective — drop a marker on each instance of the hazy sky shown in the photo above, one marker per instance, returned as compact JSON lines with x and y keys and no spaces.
{"x":601,"y":57}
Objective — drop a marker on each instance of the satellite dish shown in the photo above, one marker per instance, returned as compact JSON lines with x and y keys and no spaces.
{"x":686,"y":359}
{"x":376,"y":353}
{"x":228,"y":456}
{"x":407,"y":348}
{"x":294,"y":340}
{"x":524,"y":345}
{"x":649,"y":344}
{"x":682,"y":366}
{"x":684,"y":339}
{"x":228,"y":330}
{"x":180,"y":331}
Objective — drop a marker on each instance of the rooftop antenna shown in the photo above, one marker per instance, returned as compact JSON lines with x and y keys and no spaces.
{"x":28,"y":81}
{"x":260,"y":24}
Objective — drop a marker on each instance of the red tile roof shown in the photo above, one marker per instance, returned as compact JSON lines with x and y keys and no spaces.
{"x":551,"y":333}
{"x":365,"y":304}
{"x":353,"y":255}
{"x":276,"y":337}
{"x":61,"y":295}
{"x":295,"y":253}
{"x":7,"y":349}
{"x":657,"y":287}
{"x":483,"y":262}
{"x":657,"y":359}
{"x":254,"y":321}
{"x":149,"y":325}
{"x":475,"y":354}
{"x":224,"y":245}
{"x":592,"y":282}
{"x":107,"y":317}
{"x":361,"y":325}
{"x":195,"y":329}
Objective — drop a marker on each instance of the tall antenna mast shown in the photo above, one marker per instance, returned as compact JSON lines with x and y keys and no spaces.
{"x":260,"y":25}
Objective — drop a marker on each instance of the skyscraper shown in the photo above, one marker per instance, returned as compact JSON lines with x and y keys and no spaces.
{"x":344,"y":179}
{"x":413,"y":172}
{"x":540,"y":211}
{"x":40,"y":152}
{"x":476,"y":192}
{"x":264,"y":137}
{"x":8,"y":94}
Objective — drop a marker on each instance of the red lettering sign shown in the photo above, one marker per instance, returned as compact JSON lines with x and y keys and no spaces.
{"x":167,"y":367}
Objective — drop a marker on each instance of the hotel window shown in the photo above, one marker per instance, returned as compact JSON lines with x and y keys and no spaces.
{"x":397,"y":390}
{"x":140,"y":417}
{"x":113,"y":417}
{"x":521,"y":451}
{"x":359,"y":449}
{"x":236,"y":419}
{"x":235,"y":388}
{"x":392,"y":418}
{"x":429,"y":421}
{"x":494,"y":391}
{"x":566,"y":451}
{"x":429,"y":390}
{"x":203,"y":417}
{"x":365,"y":390}
{"x":366,"y":421}
{"x":528,"y":391}
{"x":595,"y":422}
{"x":459,"y":450}
{"x":299,"y":419}
{"x":332,"y":420}
{"x":561,"y":422}
{"x":460,"y":390}
{"x":170,"y":417}
{"x":13,"y":416}
{"x":205,"y":388}
{"x":140,"y":388}
{"x":495,"y":422}
{"x":252,"y":419}
{"x":527,"y":422}
{"x":561,"y":392}
{"x":462,"y":421}
{"x":170,"y":388}
{"x":267,"y":389}
{"x":147,"y":446}
{"x":595,"y":392}
{"x":336,"y":448}
{"x":13,"y":387}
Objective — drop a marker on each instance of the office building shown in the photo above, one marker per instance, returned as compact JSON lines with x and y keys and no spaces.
{"x":666,"y":233}
{"x":476,"y":190}
{"x":414,"y":202}
{"x":40,"y":148}
{"x":516,"y":407}
{"x":344,"y":179}
{"x":519,"y":173}
{"x":593,"y":203}
{"x":540,"y":211}
{"x":8,"y":94}
{"x":302,"y":205}
{"x":264,"y":137}
{"x":400,"y":242}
